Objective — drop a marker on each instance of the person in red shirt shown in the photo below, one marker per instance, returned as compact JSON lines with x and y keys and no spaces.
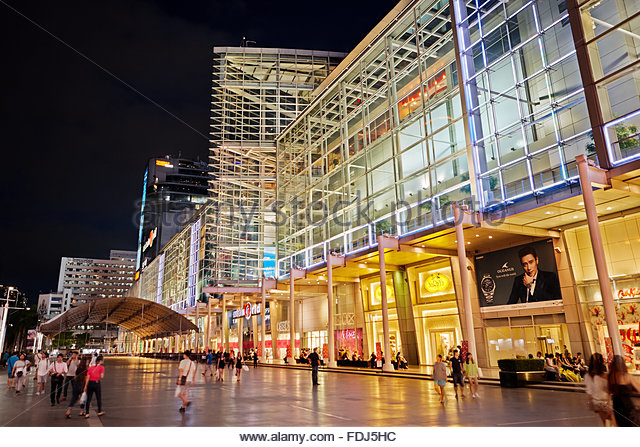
{"x":95,"y":374}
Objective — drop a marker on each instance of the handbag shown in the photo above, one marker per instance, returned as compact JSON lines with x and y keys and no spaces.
{"x":245,"y":368}
{"x":19,"y":373}
{"x":183,"y":379}
{"x":83,"y":397}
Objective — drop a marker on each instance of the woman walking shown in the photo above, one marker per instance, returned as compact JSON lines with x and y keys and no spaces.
{"x":92,"y":385}
{"x":221,"y":361}
{"x":186,"y":377}
{"x":621,"y":386}
{"x":77,"y":385}
{"x":238,"y":367}
{"x":471,"y":371}
{"x":440,"y":377}
{"x":597,"y":387}
{"x":19,"y":372}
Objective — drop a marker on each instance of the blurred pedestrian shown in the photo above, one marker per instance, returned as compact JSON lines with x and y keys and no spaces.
{"x":440,"y":377}
{"x":455,"y":364}
{"x":255,"y":359}
{"x":471,"y":371}
{"x":209,"y":364}
{"x":42,"y":372}
{"x":238,"y":367}
{"x":93,"y":385}
{"x":11,"y":381}
{"x":596,"y":382}
{"x":19,"y":372}
{"x":220,"y":373}
{"x":621,"y":386}
{"x":77,"y":386}
{"x":186,"y":377}
{"x":314,"y":359}
{"x":58,"y":371}
{"x":72,"y":365}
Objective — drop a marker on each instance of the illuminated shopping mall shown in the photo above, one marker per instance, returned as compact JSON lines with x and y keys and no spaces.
{"x":468,"y":175}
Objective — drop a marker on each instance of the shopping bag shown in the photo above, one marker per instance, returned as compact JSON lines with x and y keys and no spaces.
{"x":83,"y":397}
{"x":245,"y":368}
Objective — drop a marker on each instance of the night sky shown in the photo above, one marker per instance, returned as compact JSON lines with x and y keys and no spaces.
{"x":75,"y":140}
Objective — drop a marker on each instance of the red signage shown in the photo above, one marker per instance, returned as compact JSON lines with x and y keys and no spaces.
{"x":247,"y":311}
{"x":464,"y":349}
{"x":629,"y":293}
{"x":609,"y":350}
{"x":378,"y":351}
{"x":325,"y":351}
{"x":259,"y":349}
{"x":288,"y":350}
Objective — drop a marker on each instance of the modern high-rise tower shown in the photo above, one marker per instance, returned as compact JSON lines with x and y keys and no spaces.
{"x":256,"y":93}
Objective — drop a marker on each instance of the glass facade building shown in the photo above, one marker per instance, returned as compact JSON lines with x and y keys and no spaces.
{"x":256,"y":93}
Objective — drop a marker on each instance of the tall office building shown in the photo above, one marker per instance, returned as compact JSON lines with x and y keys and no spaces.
{"x":90,"y":279}
{"x":257,"y":92}
{"x":173,"y":189}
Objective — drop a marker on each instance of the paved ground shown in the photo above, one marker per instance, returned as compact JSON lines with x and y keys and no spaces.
{"x":140,"y":392}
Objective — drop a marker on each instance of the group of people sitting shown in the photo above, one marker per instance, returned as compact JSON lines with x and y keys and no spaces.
{"x":564,"y":367}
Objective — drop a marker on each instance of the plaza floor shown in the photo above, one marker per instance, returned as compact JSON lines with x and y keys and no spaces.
{"x":140,"y":392}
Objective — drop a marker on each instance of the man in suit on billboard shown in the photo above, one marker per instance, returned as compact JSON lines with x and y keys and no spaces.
{"x":533,"y":285}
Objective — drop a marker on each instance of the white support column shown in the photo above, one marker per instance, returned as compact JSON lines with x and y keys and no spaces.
{"x":383,"y":242}
{"x":240,"y":324}
{"x":263,"y":330}
{"x":197,"y":347}
{"x":331,"y":261}
{"x":208,"y":341}
{"x":225,"y":323}
{"x":587,"y":175}
{"x":459,"y":217}
{"x":293,"y":274}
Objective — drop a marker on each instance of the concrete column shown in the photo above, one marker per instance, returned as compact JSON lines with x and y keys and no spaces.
{"x":263,"y":329}
{"x":598,"y":252}
{"x":458,"y":216}
{"x":292,"y":317}
{"x":330,"y":310}
{"x":387,"y":366}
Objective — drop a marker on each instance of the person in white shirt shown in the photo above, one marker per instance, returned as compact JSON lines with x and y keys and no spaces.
{"x":72,"y":365}
{"x":42,"y":372}
{"x":186,"y":377}
{"x":19,"y":371}
{"x":36,"y":359}
{"x":57,"y":370}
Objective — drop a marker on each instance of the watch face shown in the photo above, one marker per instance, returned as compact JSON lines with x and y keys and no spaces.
{"x":487,"y":284}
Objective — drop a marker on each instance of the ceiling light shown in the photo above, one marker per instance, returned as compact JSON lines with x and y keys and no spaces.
{"x":548,"y":212}
{"x":575,"y":217}
{"x":468,"y":243}
{"x":477,"y":235}
{"x":608,"y":208}
{"x":490,"y":237}
{"x":580,"y":203}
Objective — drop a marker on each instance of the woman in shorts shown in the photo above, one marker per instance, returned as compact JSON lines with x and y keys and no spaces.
{"x":440,"y":377}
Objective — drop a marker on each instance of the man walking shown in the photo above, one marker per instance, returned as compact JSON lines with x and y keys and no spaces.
{"x":314,"y":359}
{"x":72,"y":366}
{"x":456,"y":370}
{"x":11,"y":361}
{"x":209,"y":364}
{"x":58,"y":370}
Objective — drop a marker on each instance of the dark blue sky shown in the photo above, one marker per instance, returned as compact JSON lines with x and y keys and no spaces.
{"x":75,"y":140}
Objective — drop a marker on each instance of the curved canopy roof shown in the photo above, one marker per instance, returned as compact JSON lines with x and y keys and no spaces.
{"x":142,"y":317}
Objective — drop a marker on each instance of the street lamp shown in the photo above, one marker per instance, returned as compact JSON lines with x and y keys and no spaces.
{"x":5,"y":312}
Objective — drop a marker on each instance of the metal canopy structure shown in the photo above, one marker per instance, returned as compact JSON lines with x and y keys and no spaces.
{"x":144,"y":318}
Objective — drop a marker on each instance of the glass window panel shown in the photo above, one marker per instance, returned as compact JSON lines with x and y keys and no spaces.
{"x":546,"y":168}
{"x":516,"y":179}
{"x":511,"y":145}
{"x":620,"y":96}
{"x":541,"y":133}
{"x":506,"y":109}
{"x":413,"y":160}
{"x":573,"y":116}
{"x":501,"y":76}
{"x":522,"y":26}
{"x":487,"y":154}
{"x":496,"y":44}
{"x":565,"y":77}
{"x":380,"y":152}
{"x":450,"y":173}
{"x":411,"y":133}
{"x":441,"y":145}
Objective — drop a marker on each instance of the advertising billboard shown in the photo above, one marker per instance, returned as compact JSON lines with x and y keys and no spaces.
{"x":518,"y":275}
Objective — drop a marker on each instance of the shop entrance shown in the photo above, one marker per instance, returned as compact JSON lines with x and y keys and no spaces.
{"x":441,"y":342}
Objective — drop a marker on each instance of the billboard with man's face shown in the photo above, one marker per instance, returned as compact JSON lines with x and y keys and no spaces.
{"x":523,"y":274}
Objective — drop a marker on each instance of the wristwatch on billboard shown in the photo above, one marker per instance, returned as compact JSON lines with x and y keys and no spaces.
{"x":488,"y":287}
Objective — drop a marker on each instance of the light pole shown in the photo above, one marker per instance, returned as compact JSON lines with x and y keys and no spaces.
{"x":5,"y":313}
